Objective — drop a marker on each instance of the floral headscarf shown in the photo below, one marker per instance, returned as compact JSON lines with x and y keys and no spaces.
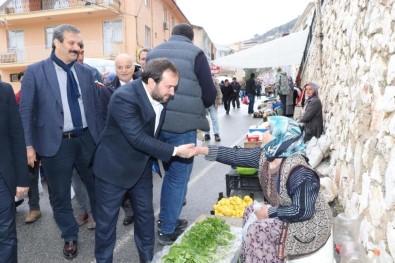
{"x":287,"y":138}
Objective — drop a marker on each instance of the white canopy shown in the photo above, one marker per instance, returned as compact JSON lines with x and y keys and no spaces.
{"x":282,"y":51}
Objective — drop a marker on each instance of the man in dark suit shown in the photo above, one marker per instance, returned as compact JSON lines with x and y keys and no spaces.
{"x":125,"y":154}
{"x":60,"y":116}
{"x":14,"y":177}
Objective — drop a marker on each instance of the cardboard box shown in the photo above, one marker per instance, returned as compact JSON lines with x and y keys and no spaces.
{"x":248,"y":144}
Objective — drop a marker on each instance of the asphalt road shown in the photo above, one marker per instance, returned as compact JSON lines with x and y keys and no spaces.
{"x":40,"y":242}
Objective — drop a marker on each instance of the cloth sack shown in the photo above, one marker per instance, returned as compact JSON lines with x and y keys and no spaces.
{"x":298,"y":112}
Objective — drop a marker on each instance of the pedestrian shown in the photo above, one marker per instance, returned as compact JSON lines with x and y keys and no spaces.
{"x":14,"y":177}
{"x":143,"y":57}
{"x":186,"y":113}
{"x":125,"y":154}
{"x":236,"y":90}
{"x":124,"y":70}
{"x":59,"y":111}
{"x":227,"y":95}
{"x":282,"y":89}
{"x":312,"y":113}
{"x":84,"y":209}
{"x":258,"y":89}
{"x":80,"y":59}
{"x":251,"y":92}
{"x":34,"y":174}
{"x":212,"y":111}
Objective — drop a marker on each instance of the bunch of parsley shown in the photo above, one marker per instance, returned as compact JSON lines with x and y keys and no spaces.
{"x":201,"y":242}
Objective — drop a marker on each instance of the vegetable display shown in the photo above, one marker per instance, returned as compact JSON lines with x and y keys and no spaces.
{"x":201,"y":243}
{"x":233,"y":206}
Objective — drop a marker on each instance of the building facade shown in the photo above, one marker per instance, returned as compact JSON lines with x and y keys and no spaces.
{"x":108,"y":27}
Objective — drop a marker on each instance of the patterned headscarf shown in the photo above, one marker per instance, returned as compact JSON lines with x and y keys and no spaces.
{"x":287,"y":138}
{"x":315,"y":88}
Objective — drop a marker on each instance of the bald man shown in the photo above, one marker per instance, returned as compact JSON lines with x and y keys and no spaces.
{"x":124,"y":69}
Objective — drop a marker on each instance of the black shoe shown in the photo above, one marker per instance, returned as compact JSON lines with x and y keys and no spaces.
{"x":227,"y":112}
{"x":207,"y":137}
{"x":70,"y":249}
{"x":19,"y":202}
{"x":181,"y":224}
{"x":168,"y":239}
{"x":128,"y":220}
{"x":217,"y":138}
{"x":145,"y":261}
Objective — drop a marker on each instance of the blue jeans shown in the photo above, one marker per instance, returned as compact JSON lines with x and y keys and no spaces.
{"x":175,"y":181}
{"x":251,"y":98}
{"x":213,"y":112}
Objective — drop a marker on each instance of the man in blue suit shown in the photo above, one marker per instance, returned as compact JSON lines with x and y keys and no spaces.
{"x":125,"y":154}
{"x":60,"y":117}
{"x":14,"y":177}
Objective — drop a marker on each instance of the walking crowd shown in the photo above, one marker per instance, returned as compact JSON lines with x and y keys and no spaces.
{"x":105,"y":134}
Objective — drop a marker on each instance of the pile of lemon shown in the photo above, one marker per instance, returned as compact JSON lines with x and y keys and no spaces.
{"x":233,"y":206}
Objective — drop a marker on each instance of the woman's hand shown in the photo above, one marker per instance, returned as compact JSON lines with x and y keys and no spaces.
{"x":263,"y":212}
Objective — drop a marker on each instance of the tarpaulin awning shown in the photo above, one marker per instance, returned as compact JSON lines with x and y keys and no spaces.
{"x":282,"y":51}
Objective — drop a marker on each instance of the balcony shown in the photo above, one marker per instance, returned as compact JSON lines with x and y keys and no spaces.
{"x":28,"y":55}
{"x":16,"y":7}
{"x":9,"y":57}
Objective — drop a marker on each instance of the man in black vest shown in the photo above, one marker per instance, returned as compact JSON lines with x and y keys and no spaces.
{"x":186,"y":113}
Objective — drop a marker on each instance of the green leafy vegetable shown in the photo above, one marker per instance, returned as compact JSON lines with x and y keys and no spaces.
{"x":201,"y":242}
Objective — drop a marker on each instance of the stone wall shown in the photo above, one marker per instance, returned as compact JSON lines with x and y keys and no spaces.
{"x":355,"y":69}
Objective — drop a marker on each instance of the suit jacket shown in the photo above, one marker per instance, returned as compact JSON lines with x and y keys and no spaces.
{"x":105,"y":96}
{"x":41,"y":106}
{"x":128,"y":142}
{"x":13,"y":161}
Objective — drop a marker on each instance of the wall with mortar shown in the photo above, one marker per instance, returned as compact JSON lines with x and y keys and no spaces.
{"x":354,"y":65}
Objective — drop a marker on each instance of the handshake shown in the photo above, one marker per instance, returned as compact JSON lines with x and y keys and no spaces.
{"x":190,"y":150}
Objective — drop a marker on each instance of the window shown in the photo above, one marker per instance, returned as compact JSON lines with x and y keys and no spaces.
{"x":48,"y":37}
{"x":112,"y":35}
{"x":164,"y":15}
{"x":147,"y":37}
{"x":172,"y":23}
{"x":16,"y":45}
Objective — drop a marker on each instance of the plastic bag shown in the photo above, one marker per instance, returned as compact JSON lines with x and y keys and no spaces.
{"x":245,"y":100}
{"x":329,"y":189}
{"x":251,"y":218}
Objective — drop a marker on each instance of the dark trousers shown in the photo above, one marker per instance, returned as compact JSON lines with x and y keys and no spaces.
{"x":34,"y":196}
{"x":236,"y":101}
{"x":283,"y":99}
{"x":227,"y":104}
{"x":75,"y":152}
{"x":251,"y":98}
{"x":8,"y":241}
{"x":108,"y":201}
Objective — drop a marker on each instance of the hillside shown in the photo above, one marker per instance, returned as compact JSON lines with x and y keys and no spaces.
{"x":275,"y":32}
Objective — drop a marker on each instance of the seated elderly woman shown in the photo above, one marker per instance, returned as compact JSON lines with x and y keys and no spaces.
{"x":312,"y":113}
{"x":296,"y":220}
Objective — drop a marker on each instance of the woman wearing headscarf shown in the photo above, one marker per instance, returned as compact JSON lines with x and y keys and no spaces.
{"x":312,"y":113}
{"x":296,"y":220}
